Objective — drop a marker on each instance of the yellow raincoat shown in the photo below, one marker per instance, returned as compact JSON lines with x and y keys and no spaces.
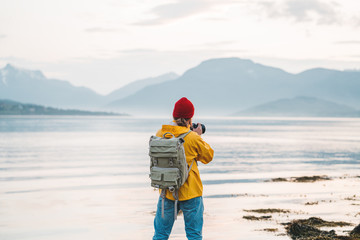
{"x":195,"y":148}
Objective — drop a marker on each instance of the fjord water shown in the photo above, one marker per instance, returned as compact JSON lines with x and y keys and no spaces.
{"x":87,"y":177}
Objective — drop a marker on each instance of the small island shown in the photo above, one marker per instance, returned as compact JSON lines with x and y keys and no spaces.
{"x":8,"y":107}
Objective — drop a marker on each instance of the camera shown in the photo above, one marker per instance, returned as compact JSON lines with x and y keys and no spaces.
{"x":195,"y":125}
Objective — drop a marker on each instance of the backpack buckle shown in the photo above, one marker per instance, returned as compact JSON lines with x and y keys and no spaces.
{"x":171,"y":163}
{"x":155,"y":161}
{"x":171,"y":189}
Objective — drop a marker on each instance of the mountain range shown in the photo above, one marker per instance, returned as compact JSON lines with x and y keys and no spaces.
{"x":133,"y":87}
{"x":33,"y":87}
{"x":227,"y":85}
{"x":216,"y":87}
{"x":300,"y":107}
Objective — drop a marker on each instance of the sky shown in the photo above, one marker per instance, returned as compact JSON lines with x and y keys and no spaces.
{"x":106,"y":44}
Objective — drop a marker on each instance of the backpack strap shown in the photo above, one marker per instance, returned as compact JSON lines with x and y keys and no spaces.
{"x":184,"y":134}
{"x":175,"y":194}
{"x":191,"y":165}
{"x":163,"y":193}
{"x":176,"y":197}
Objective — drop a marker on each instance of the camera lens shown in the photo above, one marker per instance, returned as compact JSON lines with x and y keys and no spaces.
{"x":195,"y":125}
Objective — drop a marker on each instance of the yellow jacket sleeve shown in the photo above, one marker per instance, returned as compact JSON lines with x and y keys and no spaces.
{"x":204,"y":151}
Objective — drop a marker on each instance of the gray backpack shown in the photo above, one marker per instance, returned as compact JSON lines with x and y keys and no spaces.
{"x":168,"y":166}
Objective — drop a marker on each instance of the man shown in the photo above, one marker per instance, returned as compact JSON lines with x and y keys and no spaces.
{"x":190,"y":194}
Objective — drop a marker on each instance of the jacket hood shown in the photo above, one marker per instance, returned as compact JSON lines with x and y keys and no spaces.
{"x":176,"y":130}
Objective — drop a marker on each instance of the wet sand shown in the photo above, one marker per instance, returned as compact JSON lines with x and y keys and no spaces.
{"x":336,"y":200}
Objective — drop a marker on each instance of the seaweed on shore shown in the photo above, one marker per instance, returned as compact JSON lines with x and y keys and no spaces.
{"x":352,"y":198}
{"x":308,"y":229}
{"x":310,"y":179}
{"x":268,"y":230}
{"x":318,"y":222}
{"x":301,"y":179}
{"x":355,"y":232}
{"x":297,"y":230}
{"x":254,"y":218}
{"x":279,"y":180}
{"x":268,"y":210}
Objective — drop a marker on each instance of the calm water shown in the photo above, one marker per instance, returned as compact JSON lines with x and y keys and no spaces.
{"x":86,"y":177}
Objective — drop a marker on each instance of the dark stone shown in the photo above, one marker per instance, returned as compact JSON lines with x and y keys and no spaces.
{"x":355,"y":232}
{"x":297,"y":230}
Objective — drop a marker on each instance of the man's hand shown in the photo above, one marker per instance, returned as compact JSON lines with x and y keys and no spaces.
{"x":198,"y":130}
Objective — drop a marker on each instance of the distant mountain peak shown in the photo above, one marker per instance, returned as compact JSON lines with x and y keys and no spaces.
{"x":4,"y":73}
{"x":3,"y":76}
{"x":9,"y":66}
{"x":233,"y":64}
{"x":11,"y":69}
{"x":228,"y":60}
{"x":135,"y":86}
{"x":32,"y":86}
{"x":319,"y":71}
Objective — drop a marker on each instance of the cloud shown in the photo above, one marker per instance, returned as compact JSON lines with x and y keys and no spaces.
{"x":2,"y":36}
{"x":217,"y":19}
{"x":179,"y":9}
{"x":100,"y":30}
{"x":166,"y":13}
{"x":207,"y":49}
{"x":303,"y":11}
{"x":348,"y":42}
{"x":137,"y":51}
{"x":219,"y":45}
{"x":321,"y":12}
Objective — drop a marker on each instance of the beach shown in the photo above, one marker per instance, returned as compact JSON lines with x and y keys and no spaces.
{"x":87,"y":177}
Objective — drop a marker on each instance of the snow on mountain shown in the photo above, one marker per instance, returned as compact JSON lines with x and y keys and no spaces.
{"x":3,"y":74}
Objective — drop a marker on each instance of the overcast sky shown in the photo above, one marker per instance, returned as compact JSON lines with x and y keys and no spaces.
{"x":106,"y":44}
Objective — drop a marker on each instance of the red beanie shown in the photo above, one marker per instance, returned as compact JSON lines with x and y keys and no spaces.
{"x":183,"y":109}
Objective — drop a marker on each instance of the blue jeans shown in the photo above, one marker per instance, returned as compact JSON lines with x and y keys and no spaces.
{"x":192,"y":209}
